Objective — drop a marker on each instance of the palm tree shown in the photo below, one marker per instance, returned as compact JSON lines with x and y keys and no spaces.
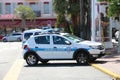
{"x":75,"y":11}
{"x":24,"y":12}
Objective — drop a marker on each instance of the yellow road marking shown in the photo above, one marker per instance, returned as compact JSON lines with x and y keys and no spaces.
{"x":14,"y":71}
{"x":116,"y":76}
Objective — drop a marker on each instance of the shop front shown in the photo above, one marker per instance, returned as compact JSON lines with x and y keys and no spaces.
{"x":10,"y":25}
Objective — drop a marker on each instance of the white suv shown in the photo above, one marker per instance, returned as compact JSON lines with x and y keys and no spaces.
{"x":31,"y":32}
{"x":62,"y":46}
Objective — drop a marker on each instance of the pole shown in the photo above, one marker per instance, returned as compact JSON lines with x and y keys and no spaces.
{"x":119,"y":38}
{"x":93,"y":20}
{"x":81,"y":19}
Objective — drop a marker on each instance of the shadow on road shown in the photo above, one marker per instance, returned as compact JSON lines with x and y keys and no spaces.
{"x":58,"y":65}
{"x":99,"y":62}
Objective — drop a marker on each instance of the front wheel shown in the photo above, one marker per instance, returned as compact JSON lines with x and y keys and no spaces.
{"x":82,"y":58}
{"x":32,"y":59}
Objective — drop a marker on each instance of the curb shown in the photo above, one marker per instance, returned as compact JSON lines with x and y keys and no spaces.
{"x":116,"y":76}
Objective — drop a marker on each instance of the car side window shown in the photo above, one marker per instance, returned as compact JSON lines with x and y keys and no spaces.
{"x":27,"y":35}
{"x":42,"y":40}
{"x":59,"y":40}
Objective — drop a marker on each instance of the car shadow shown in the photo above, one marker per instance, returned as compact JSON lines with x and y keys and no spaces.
{"x":58,"y":65}
{"x":99,"y":62}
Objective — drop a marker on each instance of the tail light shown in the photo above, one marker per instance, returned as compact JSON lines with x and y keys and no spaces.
{"x":26,"y":47}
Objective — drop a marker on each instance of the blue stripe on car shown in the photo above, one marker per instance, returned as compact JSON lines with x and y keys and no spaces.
{"x":56,"y":49}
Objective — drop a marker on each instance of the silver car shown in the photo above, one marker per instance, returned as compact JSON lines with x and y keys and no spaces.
{"x":13,"y":37}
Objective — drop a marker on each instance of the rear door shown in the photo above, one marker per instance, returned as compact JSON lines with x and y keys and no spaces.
{"x":43,"y":47}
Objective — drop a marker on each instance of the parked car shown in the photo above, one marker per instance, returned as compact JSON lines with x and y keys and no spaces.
{"x":1,"y":36}
{"x":17,"y":36}
{"x":62,"y":46}
{"x":116,"y":35}
{"x":28,"y":33}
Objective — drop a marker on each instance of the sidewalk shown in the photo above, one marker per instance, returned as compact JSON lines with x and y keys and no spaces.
{"x":110,"y":63}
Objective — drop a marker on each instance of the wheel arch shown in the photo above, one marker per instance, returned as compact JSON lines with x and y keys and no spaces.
{"x":80,"y":50}
{"x":31,"y":52}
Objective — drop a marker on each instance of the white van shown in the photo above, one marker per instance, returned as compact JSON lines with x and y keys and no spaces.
{"x":28,"y":33}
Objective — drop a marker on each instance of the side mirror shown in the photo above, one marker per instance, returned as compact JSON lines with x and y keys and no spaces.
{"x":68,"y":42}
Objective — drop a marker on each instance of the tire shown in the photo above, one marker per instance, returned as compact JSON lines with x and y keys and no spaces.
{"x":18,"y":39}
{"x":4,"y":40}
{"x":44,"y":61}
{"x":82,"y":58}
{"x":31,"y":60}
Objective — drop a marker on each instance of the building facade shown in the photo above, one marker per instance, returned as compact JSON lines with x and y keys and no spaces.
{"x":43,"y":9}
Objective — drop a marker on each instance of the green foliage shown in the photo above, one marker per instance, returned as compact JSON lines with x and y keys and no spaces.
{"x":74,"y":8}
{"x":66,"y":9}
{"x":60,"y":19}
{"x":60,"y":6}
{"x":25,"y":12}
{"x":114,"y":7}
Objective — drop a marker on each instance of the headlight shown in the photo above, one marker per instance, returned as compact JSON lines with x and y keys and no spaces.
{"x":94,"y":47}
{"x":100,"y":47}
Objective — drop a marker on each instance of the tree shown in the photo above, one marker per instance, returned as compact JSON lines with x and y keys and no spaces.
{"x":60,"y":8}
{"x":114,"y":11}
{"x":24,"y":12}
{"x":67,"y":12}
{"x":79,"y":22}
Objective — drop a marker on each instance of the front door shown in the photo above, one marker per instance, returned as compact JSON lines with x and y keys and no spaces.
{"x":61,"y":49}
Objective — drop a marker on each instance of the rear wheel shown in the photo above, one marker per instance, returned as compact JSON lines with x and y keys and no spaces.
{"x":18,"y":39}
{"x":32,"y":59}
{"x":82,"y":58}
{"x":4,"y":40}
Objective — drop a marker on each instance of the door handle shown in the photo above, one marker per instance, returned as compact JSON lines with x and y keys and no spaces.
{"x":54,"y":47}
{"x":36,"y":47}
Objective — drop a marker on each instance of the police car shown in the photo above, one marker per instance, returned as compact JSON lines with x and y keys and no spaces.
{"x":62,"y":46}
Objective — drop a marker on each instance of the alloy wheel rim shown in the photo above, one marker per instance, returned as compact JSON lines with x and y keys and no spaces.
{"x":82,"y":58}
{"x":31,"y":59}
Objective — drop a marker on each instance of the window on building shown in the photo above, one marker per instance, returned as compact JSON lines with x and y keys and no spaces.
{"x":35,"y":8}
{"x":20,"y":3}
{"x":46,"y":8}
{"x":8,"y":8}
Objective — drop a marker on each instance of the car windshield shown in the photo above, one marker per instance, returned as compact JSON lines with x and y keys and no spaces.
{"x":74,"y":38}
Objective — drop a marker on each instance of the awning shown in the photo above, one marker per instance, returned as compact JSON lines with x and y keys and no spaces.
{"x":29,"y":23}
{"x":8,"y":16}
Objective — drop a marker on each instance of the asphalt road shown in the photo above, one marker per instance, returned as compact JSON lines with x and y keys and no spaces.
{"x":13,"y":67}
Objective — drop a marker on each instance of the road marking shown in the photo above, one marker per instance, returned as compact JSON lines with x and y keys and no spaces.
{"x":116,"y":76}
{"x":14,"y":71}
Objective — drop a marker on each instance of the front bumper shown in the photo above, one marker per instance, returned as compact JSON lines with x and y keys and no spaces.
{"x":97,"y":53}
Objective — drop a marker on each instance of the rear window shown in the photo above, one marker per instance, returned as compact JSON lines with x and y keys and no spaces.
{"x":27,"y":35}
{"x":16,"y":34}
